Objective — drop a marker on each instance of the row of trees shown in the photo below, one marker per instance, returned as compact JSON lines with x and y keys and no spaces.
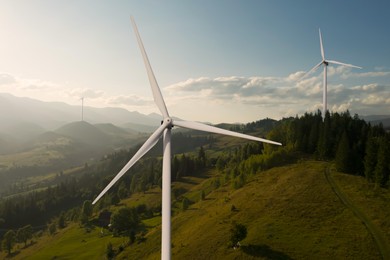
{"x":356,"y":146}
{"x":22,"y":235}
{"x":41,"y":206}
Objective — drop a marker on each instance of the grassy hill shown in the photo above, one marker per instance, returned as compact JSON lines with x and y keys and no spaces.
{"x":290,"y":212}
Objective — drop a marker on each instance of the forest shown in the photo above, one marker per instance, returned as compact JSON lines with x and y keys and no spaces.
{"x":355,"y":147}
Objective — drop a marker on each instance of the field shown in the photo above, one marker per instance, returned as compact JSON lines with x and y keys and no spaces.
{"x":290,"y":212}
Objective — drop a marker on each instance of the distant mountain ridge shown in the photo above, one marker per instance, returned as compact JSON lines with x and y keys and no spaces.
{"x":52,"y":115}
{"x":377,"y":119}
{"x":23,"y":117}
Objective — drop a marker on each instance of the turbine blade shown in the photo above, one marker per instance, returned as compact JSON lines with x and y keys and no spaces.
{"x":322,"y":46}
{"x":312,"y":69}
{"x":344,"y":64}
{"x":212,"y":129}
{"x":158,"y":99}
{"x":152,"y":140}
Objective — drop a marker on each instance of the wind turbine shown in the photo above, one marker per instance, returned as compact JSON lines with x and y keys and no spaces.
{"x":82,"y":108}
{"x":165,"y":131}
{"x":326,"y":63}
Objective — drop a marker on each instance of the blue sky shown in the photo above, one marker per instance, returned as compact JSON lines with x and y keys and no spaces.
{"x":216,"y":61}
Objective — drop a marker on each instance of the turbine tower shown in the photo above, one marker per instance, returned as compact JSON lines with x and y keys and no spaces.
{"x":82,"y":108}
{"x":165,"y":131}
{"x":326,"y":63}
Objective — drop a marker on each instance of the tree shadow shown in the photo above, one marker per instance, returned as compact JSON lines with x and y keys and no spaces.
{"x":264,"y":251}
{"x":13,"y":254}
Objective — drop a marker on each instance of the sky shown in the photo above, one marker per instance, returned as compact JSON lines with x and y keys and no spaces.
{"x":215,"y":61}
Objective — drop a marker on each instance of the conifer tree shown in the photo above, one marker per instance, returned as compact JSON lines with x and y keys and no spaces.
{"x":24,"y":234}
{"x":382,"y":170}
{"x":185,"y":204}
{"x":202,"y":157}
{"x":343,"y":155}
{"x":110,"y":253}
{"x":370,"y":158}
{"x":323,"y":146}
{"x":9,"y":241}
{"x":238,"y":232}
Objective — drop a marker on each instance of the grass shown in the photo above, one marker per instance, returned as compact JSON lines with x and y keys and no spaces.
{"x":290,"y":212}
{"x":37,"y":156}
{"x":375,"y":198}
{"x":73,"y":242}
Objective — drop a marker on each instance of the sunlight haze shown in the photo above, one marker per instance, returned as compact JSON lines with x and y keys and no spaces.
{"x":219,"y":61}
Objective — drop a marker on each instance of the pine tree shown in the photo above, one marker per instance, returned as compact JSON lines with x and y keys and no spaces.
{"x":9,"y":241}
{"x":185,"y":204}
{"x":61,"y":220}
{"x":87,"y":209}
{"x":382,"y":167}
{"x":238,"y":232}
{"x":52,"y":228}
{"x":122,"y":190}
{"x":370,"y":158}
{"x":323,"y":146}
{"x":202,"y":157}
{"x":343,"y":155}
{"x":202,"y":195}
{"x":110,"y":253}
{"x":24,"y":234}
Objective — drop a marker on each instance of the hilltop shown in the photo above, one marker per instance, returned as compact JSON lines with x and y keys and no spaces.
{"x":290,"y":212}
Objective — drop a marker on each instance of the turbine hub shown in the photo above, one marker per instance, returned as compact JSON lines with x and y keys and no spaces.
{"x":169,"y":122}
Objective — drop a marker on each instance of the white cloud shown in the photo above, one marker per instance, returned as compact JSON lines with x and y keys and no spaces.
{"x":370,"y":74}
{"x":6,"y":79}
{"x":276,"y":96}
{"x":374,"y":100}
{"x":296,"y":76}
{"x":131,"y":100}
{"x":85,"y":92}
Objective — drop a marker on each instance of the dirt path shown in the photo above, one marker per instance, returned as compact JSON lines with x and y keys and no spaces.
{"x":377,"y":234}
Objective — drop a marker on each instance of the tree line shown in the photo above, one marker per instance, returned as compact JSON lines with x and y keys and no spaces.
{"x":38,"y":207}
{"x":357,"y":147}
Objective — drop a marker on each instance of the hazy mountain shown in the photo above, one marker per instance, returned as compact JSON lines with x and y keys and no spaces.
{"x":377,"y":119}
{"x":84,"y":132}
{"x":22,"y":131}
{"x":5,"y":146}
{"x":113,"y":130}
{"x":52,"y":115}
{"x":140,"y":127}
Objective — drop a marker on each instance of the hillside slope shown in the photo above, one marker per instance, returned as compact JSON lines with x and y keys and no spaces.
{"x":290,"y":212}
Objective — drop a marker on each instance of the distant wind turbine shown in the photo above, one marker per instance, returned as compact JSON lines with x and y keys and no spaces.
{"x":165,"y":131}
{"x":326,"y":63}
{"x":82,"y":108}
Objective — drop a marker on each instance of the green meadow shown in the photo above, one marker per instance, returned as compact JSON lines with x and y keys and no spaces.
{"x":290,"y":212}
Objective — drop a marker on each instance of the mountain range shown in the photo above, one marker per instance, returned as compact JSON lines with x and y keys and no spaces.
{"x":22,"y":113}
{"x":25,"y":121}
{"x":27,"y":124}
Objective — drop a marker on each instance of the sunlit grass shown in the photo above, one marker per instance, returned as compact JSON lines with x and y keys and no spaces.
{"x":290,"y":212}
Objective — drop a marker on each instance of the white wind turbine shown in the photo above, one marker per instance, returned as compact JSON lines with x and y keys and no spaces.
{"x":326,"y":63}
{"x":165,"y":131}
{"x":82,"y":108}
